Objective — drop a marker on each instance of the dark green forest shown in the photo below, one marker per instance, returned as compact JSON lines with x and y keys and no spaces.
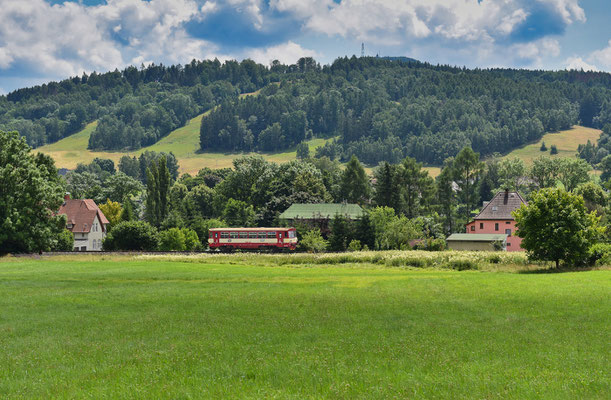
{"x":376,"y":109}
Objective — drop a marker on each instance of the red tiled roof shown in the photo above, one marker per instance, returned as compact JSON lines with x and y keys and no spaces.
{"x":81,"y":214}
{"x":501,"y":206}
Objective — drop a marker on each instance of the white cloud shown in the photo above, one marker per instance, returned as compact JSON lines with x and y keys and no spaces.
{"x":286,"y":53}
{"x":379,"y":20}
{"x":603,"y":56}
{"x":578,"y":63}
{"x":537,"y":50}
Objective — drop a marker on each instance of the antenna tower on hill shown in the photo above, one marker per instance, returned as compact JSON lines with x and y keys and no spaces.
{"x":362,"y":49}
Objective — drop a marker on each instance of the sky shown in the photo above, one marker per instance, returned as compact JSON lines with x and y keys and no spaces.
{"x":45,"y":40}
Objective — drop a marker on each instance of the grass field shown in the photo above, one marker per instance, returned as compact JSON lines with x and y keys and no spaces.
{"x":124,"y":327}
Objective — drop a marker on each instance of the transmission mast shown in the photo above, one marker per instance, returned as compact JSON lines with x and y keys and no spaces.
{"x":362,"y":49}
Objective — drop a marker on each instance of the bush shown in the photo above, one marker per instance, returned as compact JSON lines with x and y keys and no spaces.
{"x":313,"y":242}
{"x":600,"y":254}
{"x":132,"y":235}
{"x":543,"y":147}
{"x":65,"y":241}
{"x":553,"y":150}
{"x":463,"y":264}
{"x":431,"y":244}
{"x":355,"y":245}
{"x":172,"y":240}
{"x":202,"y":228}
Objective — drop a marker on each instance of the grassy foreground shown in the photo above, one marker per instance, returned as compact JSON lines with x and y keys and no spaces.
{"x":206,"y":327}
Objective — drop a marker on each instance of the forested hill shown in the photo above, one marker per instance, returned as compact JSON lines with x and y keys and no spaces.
{"x":376,"y":108}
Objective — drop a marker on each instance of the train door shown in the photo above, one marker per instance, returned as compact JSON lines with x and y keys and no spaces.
{"x":280,"y":238}
{"x":216,"y":238}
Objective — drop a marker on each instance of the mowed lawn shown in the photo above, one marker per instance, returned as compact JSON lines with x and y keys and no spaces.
{"x":125,"y":328}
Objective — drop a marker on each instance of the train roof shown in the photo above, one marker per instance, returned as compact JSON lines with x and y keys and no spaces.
{"x":250,"y":229}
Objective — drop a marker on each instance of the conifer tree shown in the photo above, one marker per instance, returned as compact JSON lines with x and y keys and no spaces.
{"x":355,"y":183}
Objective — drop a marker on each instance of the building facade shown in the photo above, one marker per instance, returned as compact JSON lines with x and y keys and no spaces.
{"x":86,"y":222}
{"x":495,"y":218}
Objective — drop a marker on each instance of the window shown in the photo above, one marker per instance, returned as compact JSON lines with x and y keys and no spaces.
{"x":508,"y":244}
{"x":224,"y":235}
{"x":292,"y":234}
{"x":252,"y":235}
{"x":508,"y":232}
{"x":507,"y":222}
{"x":271,"y":235}
{"x":473,"y":228}
{"x":243,"y":235}
{"x":261,"y":235}
{"x":233,"y":235}
{"x":496,"y":226}
{"x":481,"y":225}
{"x":495,"y":208}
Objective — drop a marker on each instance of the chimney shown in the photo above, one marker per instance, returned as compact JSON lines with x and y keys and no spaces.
{"x":67,"y":196}
{"x":506,"y":196}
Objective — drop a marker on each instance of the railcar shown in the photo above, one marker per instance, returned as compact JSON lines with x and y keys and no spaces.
{"x":228,"y":239}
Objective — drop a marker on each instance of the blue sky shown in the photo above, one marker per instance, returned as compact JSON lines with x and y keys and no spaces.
{"x":43,"y":40}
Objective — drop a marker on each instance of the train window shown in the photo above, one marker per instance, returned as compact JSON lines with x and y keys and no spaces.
{"x":243,"y":235}
{"x":291,"y":234}
{"x":262,"y":235}
{"x":224,"y":235}
{"x":252,"y":235}
{"x":233,"y":235}
{"x":271,"y":235}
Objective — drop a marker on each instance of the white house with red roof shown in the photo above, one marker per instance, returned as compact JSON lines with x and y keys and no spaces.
{"x":86,"y":222}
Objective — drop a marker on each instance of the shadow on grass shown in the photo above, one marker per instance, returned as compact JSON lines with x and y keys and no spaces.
{"x":553,"y":270}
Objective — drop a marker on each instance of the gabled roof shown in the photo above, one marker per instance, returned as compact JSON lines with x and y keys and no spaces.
{"x":81,"y":214}
{"x":322,"y":211}
{"x":501,"y":206}
{"x":476,"y":237}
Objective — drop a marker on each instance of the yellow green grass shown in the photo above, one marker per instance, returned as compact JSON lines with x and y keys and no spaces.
{"x":124,"y":327}
{"x":566,"y":141}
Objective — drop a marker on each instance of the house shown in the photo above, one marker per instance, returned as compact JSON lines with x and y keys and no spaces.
{"x":86,"y":222}
{"x":319,"y":215}
{"x":495,"y":218}
{"x":477,"y":241}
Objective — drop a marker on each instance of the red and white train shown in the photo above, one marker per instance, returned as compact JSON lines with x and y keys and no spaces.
{"x":227,"y":239}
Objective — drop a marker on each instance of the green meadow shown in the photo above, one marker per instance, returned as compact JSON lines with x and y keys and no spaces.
{"x":244,"y":326}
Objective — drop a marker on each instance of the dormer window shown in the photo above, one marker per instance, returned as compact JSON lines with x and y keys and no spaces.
{"x":495,"y":208}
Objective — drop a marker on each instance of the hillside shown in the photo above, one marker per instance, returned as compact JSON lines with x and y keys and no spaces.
{"x":376,"y":109}
{"x":183,"y":142}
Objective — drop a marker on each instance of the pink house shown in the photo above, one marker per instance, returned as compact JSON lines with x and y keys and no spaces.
{"x":496,"y":217}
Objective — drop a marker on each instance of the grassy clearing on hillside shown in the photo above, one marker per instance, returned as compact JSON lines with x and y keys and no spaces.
{"x":183,"y":142}
{"x":566,"y":141}
{"x":124,"y":328}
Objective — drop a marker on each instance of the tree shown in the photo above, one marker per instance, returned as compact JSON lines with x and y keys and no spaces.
{"x":553,"y":150}
{"x":572,"y":172}
{"x":594,"y":196}
{"x":313,"y":242}
{"x":355,"y":183}
{"x":30,"y":194}
{"x":238,"y":213}
{"x":303,"y":151}
{"x":118,"y":186}
{"x":467,"y":170}
{"x":128,"y":213}
{"x":543,"y":147}
{"x":132,"y":235}
{"x":158,"y":184}
{"x":605,"y":166}
{"x":446,"y":196}
{"x":556,"y":226}
{"x":544,"y":172}
{"x":364,"y":231}
{"x":381,"y":217}
{"x":417,"y":187}
{"x":112,"y":210}
{"x":341,"y":233}
{"x":385,"y":187}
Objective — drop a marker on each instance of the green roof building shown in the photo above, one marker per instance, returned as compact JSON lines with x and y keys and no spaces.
{"x":322,"y":211}
{"x":477,"y":241}
{"x":319,"y":215}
